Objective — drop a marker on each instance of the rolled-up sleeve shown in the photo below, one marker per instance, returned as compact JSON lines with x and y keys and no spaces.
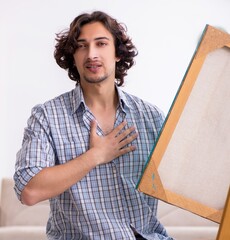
{"x":37,"y":151}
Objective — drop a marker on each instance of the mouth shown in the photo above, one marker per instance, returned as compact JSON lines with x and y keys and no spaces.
{"x":93,"y":67}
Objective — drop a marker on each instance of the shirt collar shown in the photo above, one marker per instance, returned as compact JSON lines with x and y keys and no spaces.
{"x":78,"y":99}
{"x":123,"y":101}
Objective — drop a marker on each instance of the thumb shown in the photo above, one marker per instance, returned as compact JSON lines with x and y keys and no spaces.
{"x":93,"y":129}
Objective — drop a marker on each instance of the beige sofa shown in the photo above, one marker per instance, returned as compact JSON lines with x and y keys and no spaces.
{"x":183,"y":225}
{"x":19,"y":222}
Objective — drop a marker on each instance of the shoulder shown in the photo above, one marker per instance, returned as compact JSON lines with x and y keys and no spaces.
{"x":58,"y":103}
{"x":137,"y":104}
{"x":142,"y":111}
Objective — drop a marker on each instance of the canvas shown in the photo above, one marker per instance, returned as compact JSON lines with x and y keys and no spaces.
{"x":189,"y":166}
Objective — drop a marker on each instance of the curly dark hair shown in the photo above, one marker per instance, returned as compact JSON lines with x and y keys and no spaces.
{"x":67,"y":43}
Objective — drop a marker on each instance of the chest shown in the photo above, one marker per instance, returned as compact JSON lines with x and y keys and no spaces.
{"x":71,"y":138}
{"x":105,"y":118}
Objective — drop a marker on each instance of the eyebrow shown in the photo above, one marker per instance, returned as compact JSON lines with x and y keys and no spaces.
{"x":96,"y":39}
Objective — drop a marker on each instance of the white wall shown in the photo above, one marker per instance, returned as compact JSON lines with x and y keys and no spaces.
{"x":165,"y":32}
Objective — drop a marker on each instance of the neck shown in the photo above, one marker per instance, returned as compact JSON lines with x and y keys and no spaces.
{"x":102,"y":102}
{"x":97,"y":96}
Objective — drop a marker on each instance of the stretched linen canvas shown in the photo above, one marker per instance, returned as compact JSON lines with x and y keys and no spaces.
{"x":189,"y":166}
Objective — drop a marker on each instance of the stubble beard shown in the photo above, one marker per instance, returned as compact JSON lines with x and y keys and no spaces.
{"x":95,"y":79}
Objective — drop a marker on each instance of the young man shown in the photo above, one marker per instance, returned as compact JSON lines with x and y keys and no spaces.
{"x":85,"y":150}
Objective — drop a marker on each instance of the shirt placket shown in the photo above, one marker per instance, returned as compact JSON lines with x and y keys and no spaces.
{"x":116,"y":167}
{"x":88,"y":117}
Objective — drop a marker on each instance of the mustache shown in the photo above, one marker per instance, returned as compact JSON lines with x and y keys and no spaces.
{"x":92,"y":64}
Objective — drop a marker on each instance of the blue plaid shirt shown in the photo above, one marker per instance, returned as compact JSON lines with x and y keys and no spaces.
{"x":105,"y":203}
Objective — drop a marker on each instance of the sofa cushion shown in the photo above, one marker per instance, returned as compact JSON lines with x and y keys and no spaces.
{"x":182,"y":224}
{"x":173,"y":216}
{"x":192,"y":233}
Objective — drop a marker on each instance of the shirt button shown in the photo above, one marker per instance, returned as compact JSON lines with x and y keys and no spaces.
{"x":114,"y":169}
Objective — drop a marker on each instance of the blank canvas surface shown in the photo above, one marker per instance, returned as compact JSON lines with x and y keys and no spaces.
{"x":196,"y":163}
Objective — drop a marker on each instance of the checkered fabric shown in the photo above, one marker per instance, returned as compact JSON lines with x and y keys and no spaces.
{"x":105,"y":204}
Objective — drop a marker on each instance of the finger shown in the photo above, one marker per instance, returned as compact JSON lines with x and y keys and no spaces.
{"x":93,"y":128}
{"x":127,"y":150}
{"x":127,"y":140}
{"x":118,"y":128}
{"x":125,"y":133}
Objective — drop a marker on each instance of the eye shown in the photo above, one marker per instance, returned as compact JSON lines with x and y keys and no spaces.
{"x":102,"y":44}
{"x":81,"y":45}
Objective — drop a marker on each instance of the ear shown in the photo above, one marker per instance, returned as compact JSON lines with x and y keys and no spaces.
{"x":118,"y":59}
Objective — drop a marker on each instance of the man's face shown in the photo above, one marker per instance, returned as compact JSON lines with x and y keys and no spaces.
{"x":95,"y":54}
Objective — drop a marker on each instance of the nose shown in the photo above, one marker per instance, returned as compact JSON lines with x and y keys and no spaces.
{"x":92,"y":52}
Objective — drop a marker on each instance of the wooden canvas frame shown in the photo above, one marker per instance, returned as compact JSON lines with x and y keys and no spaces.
{"x":224,"y":229}
{"x":189,"y":166}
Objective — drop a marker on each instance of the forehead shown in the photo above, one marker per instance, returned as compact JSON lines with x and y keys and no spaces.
{"x":91,"y":31}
